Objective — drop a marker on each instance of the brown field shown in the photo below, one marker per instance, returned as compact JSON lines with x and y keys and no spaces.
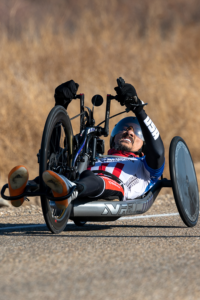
{"x":154,"y":45}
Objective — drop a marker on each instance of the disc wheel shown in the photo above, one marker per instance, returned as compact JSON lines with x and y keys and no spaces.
{"x":184,"y":181}
{"x":56,"y":155}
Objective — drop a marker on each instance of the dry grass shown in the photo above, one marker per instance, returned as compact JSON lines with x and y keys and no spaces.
{"x":154,"y":47}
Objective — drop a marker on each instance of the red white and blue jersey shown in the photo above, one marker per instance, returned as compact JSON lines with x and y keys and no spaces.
{"x":137,"y":177}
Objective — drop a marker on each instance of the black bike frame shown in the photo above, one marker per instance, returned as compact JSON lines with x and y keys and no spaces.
{"x":91,"y":131}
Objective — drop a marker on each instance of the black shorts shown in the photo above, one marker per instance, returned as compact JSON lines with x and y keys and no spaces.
{"x":99,"y":187}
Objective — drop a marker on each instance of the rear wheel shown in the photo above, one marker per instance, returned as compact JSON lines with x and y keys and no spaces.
{"x":56,"y":155}
{"x":184,"y":181}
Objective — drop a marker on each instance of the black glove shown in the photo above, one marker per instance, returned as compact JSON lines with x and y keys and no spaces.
{"x":65,"y":92}
{"x":126,"y":95}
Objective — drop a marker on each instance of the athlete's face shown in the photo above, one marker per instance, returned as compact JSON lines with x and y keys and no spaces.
{"x":127,"y":140}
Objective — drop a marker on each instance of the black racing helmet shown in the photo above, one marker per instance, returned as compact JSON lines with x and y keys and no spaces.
{"x":122,"y":125}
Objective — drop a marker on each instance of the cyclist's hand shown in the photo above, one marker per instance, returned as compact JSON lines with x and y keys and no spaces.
{"x":134,"y":104}
{"x":65,"y":92}
{"x":124,"y":91}
{"x":126,"y":95}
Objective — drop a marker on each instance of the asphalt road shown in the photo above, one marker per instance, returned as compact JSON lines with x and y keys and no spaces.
{"x":145,"y":258}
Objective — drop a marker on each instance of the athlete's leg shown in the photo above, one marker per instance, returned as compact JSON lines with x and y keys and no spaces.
{"x":112,"y":189}
{"x":89,"y":185}
{"x":99,"y":186}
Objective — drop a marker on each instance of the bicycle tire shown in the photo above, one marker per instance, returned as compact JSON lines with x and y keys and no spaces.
{"x":57,"y":125}
{"x":184,"y":181}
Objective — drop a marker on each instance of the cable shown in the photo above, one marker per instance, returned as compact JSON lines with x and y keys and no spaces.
{"x":77,"y":115}
{"x":113,"y":117}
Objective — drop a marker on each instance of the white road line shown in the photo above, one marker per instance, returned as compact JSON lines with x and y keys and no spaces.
{"x":122,"y":218}
{"x":150,"y":216}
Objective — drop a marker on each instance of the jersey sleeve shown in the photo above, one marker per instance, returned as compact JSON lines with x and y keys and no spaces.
{"x":154,"y":145}
{"x":154,"y":173}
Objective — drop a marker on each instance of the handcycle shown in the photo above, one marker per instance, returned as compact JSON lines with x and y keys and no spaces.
{"x":68,"y":154}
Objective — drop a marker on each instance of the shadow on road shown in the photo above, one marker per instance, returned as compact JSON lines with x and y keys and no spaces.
{"x":42,"y":230}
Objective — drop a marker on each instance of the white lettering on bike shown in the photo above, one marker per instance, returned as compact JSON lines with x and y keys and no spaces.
{"x":152,"y":128}
{"x":105,"y":212}
{"x":113,"y":210}
{"x":128,"y":209}
{"x":123,"y":209}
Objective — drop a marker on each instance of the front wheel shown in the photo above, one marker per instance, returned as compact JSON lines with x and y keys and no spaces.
{"x":56,"y":154}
